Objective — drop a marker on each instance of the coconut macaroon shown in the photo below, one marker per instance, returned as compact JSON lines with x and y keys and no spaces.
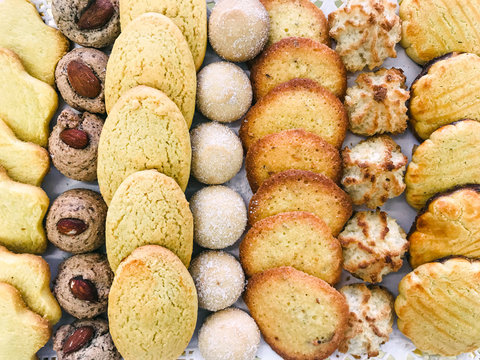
{"x":366,"y":32}
{"x":373,"y":171}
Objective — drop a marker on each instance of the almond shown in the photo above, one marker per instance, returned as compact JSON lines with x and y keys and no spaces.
{"x":71,"y":227}
{"x":79,"y":338}
{"x":96,"y":15}
{"x":83,"y":289}
{"x":83,"y":80}
{"x":75,"y":138}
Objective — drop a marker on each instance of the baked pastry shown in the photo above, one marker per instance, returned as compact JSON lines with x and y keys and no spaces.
{"x":80,"y":78}
{"x":76,"y":221}
{"x":296,"y":18}
{"x":23,"y":31}
{"x":83,"y":284}
{"x":447,"y":225}
{"x":219,"y":279}
{"x":376,"y":104}
{"x":373,"y":245}
{"x":217,"y":154}
{"x":300,"y":316}
{"x":238,"y":30}
{"x":229,"y":334}
{"x":438,"y":307}
{"x":88,"y":23}
{"x":30,"y":275}
{"x":366,"y":32}
{"x":373,"y":171}
{"x":452,"y":80}
{"x":292,"y":58}
{"x":300,"y":190}
{"x":129,"y":143}
{"x":85,"y":340}
{"x":23,"y":332}
{"x":73,"y":144}
{"x":370,"y":321}
{"x":296,"y":104}
{"x":298,"y":239}
{"x":170,"y":64}
{"x":431,"y":29}
{"x":224,"y":92}
{"x":160,"y":218}
{"x":22,"y":208}
{"x":162,"y":307}
{"x":435,"y":165}
{"x":24,"y":162}
{"x":26,"y":104}
{"x":291,"y":149}
{"x":219,"y":215}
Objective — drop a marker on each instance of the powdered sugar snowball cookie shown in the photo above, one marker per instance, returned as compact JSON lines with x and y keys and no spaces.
{"x":238,"y":29}
{"x":217,"y":153}
{"x":219,"y":279}
{"x":219,"y":216}
{"x":224,"y":92}
{"x":230,"y":334}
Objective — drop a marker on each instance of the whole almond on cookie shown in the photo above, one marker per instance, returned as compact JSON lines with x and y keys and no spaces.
{"x":83,"y":289}
{"x":75,"y":138}
{"x":96,"y":15}
{"x":83,"y":80}
{"x":78,"y":339}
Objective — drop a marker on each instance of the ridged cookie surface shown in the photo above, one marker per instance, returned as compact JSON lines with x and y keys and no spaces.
{"x":300,"y":316}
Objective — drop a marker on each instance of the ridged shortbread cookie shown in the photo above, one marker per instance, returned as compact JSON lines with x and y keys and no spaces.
{"x":23,"y":332}
{"x":444,"y":92}
{"x":189,"y":15}
{"x":26,"y":103}
{"x":30,"y":274}
{"x":298,"y":239}
{"x":300,"y":190}
{"x":164,"y":62}
{"x":39,"y":46}
{"x":148,"y":208}
{"x":300,"y":316}
{"x":448,"y":159}
{"x":144,"y":130}
{"x":24,"y":162}
{"x":152,"y":305}
{"x":296,"y":57}
{"x":296,"y":104}
{"x":438,"y":307}
{"x":432,"y":28}
{"x":22,"y":208}
{"x":291,"y":149}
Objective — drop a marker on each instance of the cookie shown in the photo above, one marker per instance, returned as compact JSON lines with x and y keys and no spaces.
{"x":300,"y":316}
{"x":22,"y":207}
{"x":23,"y":332}
{"x":85,"y":340}
{"x":291,"y":149}
{"x":161,"y":218}
{"x":431,"y":29}
{"x":189,"y":15}
{"x":129,"y":142}
{"x":298,"y":239}
{"x":452,"y":80}
{"x":80,"y":78}
{"x":83,"y":284}
{"x":296,"y":104}
{"x":295,"y":57}
{"x":162,"y":307}
{"x":26,"y":104}
{"x":88,"y":23}
{"x":30,"y":275}
{"x":366,"y":32}
{"x":24,"y":161}
{"x":23,"y":31}
{"x":376,"y":103}
{"x":73,"y":144}
{"x":438,"y":307}
{"x":435,"y":165}
{"x":447,"y":225}
{"x":296,"y":18}
{"x":300,"y":190}
{"x":76,"y":221}
{"x":165,"y":63}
